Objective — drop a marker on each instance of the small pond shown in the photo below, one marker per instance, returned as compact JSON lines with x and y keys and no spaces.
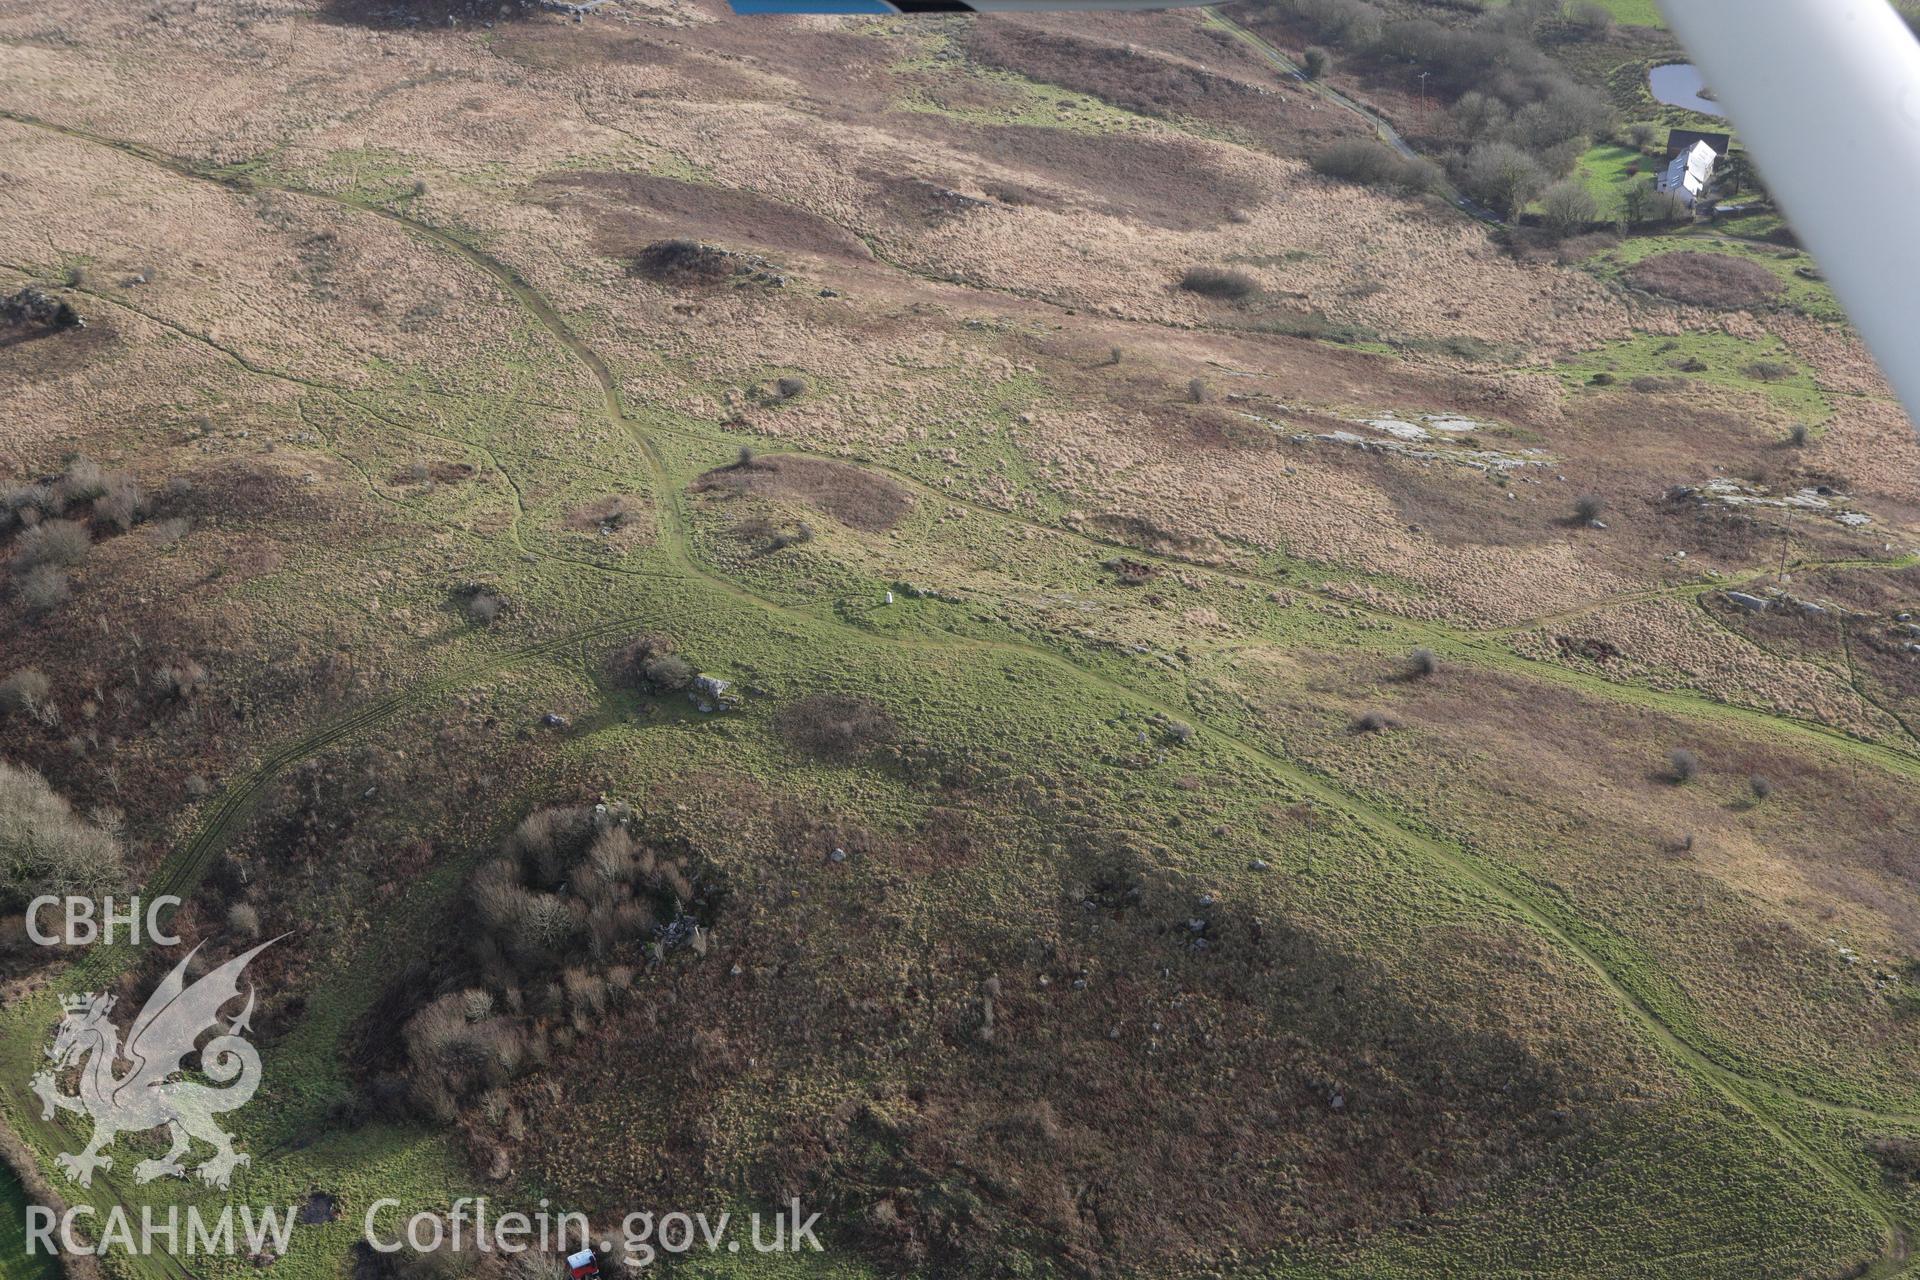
{"x":1678,"y":84}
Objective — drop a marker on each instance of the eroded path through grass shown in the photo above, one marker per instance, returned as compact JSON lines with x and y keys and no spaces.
{"x":1762,"y":1100}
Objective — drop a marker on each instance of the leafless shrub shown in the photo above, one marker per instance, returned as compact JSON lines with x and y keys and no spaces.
{"x":47,"y":848}
{"x":1567,"y":207}
{"x":456,"y":1059}
{"x":1587,"y":508}
{"x":25,"y":691}
{"x":1684,"y":765}
{"x":36,"y":498}
{"x":59,"y":543}
{"x":243,"y":920}
{"x":1761,"y":786}
{"x":180,"y":680}
{"x":121,"y":503}
{"x":41,"y":588}
{"x":1422,"y":663}
{"x":1798,"y":436}
{"x":788,"y":388}
{"x":1770,"y":370}
{"x":1370,"y":722}
{"x":1198,"y":391}
{"x":167,"y":532}
{"x":83,"y":480}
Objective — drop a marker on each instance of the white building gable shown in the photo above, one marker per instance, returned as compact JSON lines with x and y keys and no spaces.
{"x":1689,"y":172}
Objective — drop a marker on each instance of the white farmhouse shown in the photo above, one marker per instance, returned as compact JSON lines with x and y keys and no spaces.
{"x":1689,"y":173}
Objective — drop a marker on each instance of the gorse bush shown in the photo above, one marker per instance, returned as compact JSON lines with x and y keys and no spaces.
{"x":47,"y":848}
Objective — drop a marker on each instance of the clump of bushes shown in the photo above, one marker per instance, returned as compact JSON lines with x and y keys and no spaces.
{"x":1760,"y":785}
{"x":1373,"y":165}
{"x":555,"y":925}
{"x":1370,"y":722}
{"x":836,"y":726}
{"x":1223,"y":284}
{"x":45,"y":847}
{"x":1422,"y":663}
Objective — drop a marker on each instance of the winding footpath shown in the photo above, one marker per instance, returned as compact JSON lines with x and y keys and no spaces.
{"x":1760,"y":1099}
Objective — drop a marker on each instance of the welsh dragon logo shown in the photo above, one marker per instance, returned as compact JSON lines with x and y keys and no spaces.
{"x":151,"y":1093}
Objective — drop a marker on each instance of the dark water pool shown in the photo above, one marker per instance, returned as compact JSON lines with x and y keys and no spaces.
{"x":1678,"y":84}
